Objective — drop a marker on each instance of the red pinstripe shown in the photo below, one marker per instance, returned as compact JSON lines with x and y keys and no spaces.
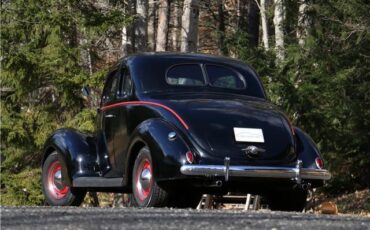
{"x":147,"y":103}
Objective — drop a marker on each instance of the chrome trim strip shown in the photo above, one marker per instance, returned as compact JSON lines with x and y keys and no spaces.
{"x":256,"y":171}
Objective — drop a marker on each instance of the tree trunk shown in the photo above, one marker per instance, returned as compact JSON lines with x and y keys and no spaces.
{"x":89,"y":61}
{"x":221,"y":28}
{"x":124,"y":41}
{"x":189,"y":32}
{"x":303,"y":22}
{"x":279,"y":14}
{"x":176,"y":23}
{"x":162,"y":31}
{"x":253,"y":23}
{"x":141,"y":36}
{"x":264,"y":21}
{"x":152,"y":25}
{"x":85,"y":53}
{"x":73,"y":30}
{"x":248,"y":20}
{"x":242,"y":15}
{"x":126,"y":30}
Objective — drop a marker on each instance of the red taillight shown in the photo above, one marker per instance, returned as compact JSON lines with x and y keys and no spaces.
{"x":189,"y":157}
{"x":319,"y":163}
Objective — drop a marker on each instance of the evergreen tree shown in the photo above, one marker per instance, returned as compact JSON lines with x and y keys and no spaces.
{"x":324,"y":84}
{"x":43,"y":71}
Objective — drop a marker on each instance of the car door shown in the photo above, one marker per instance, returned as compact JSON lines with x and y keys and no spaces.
{"x":110,"y":118}
{"x":122,"y":138}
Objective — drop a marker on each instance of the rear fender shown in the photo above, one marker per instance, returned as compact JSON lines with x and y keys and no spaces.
{"x":167,"y":155}
{"x":77,"y":153}
{"x":307,"y":150}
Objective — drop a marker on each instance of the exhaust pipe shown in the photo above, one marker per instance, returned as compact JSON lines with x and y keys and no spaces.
{"x":305,"y":186}
{"x":213,"y":184}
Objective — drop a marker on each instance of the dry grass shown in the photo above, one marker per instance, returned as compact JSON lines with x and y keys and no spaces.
{"x":357,"y":203}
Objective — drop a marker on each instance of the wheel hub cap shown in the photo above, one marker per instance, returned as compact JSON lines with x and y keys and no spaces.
{"x":55,"y":184}
{"x":58,"y":179}
{"x":144,"y":180}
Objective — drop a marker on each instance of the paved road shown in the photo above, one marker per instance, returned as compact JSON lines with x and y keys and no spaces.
{"x":129,"y":218}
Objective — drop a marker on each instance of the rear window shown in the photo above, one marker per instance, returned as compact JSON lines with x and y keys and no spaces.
{"x":186,"y":75}
{"x":223,"y":77}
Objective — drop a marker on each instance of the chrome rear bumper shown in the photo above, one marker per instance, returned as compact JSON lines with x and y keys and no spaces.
{"x":296,"y":173}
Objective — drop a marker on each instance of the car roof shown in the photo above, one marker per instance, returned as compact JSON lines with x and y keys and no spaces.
{"x":184,"y":56}
{"x":148,"y":70}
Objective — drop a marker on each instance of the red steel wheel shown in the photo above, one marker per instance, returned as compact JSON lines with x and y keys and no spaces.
{"x":145,"y":191}
{"x":144,"y":179}
{"x":55,"y":191}
{"x":55,"y":185}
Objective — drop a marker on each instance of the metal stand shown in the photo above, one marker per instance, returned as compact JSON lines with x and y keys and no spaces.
{"x":206,"y":202}
{"x":252,"y":202}
{"x":256,"y":202}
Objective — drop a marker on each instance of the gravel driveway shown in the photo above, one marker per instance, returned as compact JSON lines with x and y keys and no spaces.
{"x":150,"y":218}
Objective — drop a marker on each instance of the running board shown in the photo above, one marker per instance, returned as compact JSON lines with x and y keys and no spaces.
{"x":98,"y":182}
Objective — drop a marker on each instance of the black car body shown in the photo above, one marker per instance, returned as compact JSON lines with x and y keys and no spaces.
{"x":179,"y":125}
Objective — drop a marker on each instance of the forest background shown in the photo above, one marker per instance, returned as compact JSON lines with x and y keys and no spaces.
{"x":313,"y":57}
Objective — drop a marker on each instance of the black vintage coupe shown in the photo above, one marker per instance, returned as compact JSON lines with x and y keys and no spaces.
{"x":172,"y":127}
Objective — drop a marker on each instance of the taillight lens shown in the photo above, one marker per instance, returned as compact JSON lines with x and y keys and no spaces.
{"x":319,"y":163}
{"x":189,"y":157}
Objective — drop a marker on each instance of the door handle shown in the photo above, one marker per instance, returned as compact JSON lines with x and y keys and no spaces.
{"x":109,"y":116}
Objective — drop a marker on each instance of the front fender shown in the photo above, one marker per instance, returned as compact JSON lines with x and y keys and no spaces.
{"x":77,"y":152}
{"x":167,"y":155}
{"x":307,"y":150}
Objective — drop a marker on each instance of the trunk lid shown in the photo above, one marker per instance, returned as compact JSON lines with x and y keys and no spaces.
{"x":212,"y":119}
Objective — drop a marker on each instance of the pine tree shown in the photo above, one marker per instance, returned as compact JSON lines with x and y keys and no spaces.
{"x":42,"y":66}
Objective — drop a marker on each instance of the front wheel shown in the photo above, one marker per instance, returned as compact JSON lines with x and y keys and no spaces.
{"x":292,"y":200}
{"x":55,"y":191}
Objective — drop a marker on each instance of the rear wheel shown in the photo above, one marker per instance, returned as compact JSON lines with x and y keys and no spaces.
{"x":55,"y":191}
{"x":292,"y":200}
{"x":145,"y":191}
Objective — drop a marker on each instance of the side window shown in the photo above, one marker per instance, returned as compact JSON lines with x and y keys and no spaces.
{"x":126,"y":83}
{"x":111,"y":87}
{"x":224,"y":77}
{"x":186,"y":74}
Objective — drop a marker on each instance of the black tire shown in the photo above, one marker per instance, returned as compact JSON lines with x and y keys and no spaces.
{"x":56,"y":193}
{"x":145,"y":190}
{"x":291,"y":200}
